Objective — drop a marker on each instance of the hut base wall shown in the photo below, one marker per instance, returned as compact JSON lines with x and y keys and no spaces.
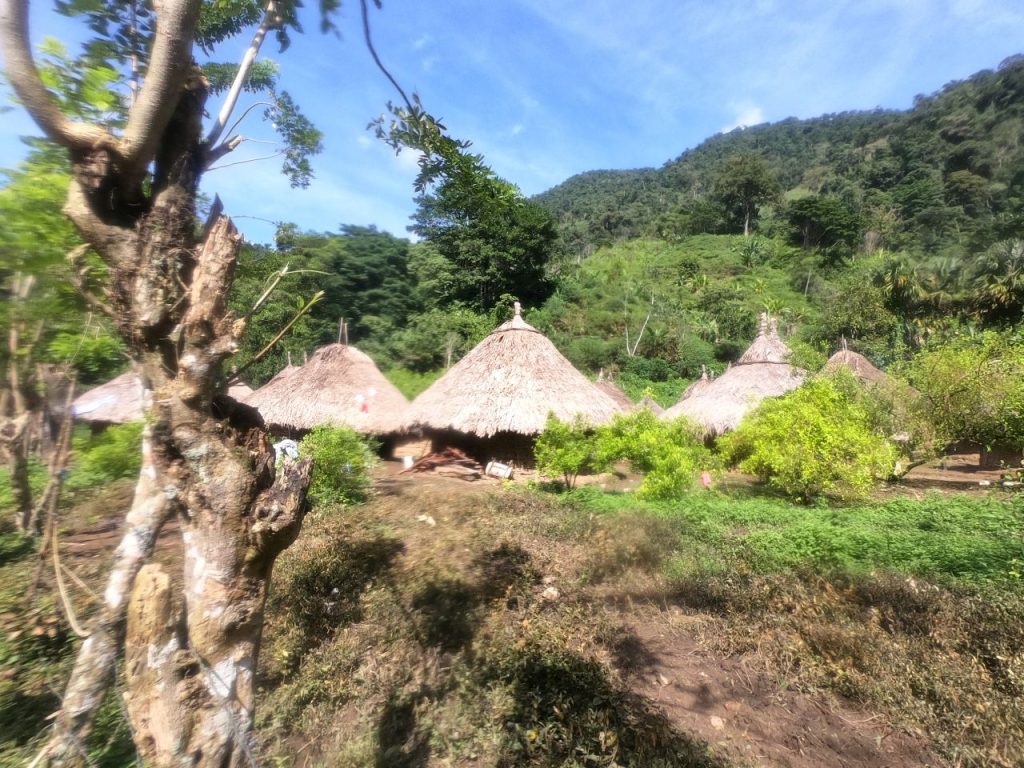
{"x":505,"y":447}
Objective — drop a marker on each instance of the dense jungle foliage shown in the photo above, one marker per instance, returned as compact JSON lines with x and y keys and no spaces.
{"x":900,"y":232}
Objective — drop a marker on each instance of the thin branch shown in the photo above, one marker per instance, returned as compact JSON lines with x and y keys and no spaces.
{"x":259,"y":355}
{"x":245,"y":114}
{"x":223,"y":149}
{"x":23,"y":75}
{"x":376,"y":58}
{"x":243,"y":162}
{"x":270,"y":18}
{"x":69,"y":609}
{"x":79,"y":278}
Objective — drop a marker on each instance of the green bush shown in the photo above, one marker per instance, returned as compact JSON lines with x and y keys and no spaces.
{"x":812,"y":442}
{"x":567,"y":448}
{"x":972,"y":388}
{"x":112,"y":454}
{"x":342,"y":462}
{"x":669,"y":453}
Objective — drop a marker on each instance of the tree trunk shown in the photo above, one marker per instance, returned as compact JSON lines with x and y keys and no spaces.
{"x":15,"y":434}
{"x":190,"y":661}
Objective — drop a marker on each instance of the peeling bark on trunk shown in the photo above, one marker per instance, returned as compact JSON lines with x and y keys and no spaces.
{"x":190,"y":668}
{"x":190,"y":660}
{"x":98,"y":654}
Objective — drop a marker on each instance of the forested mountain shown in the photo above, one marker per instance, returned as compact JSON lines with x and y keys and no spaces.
{"x":949,"y":172}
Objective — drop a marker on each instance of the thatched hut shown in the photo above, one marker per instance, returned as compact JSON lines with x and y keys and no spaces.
{"x":650,"y":404}
{"x":762,"y":371}
{"x":240,"y":391}
{"x":610,"y":388}
{"x":339,"y":385}
{"x":119,"y":401}
{"x":857,"y":364}
{"x":698,"y":386}
{"x":496,"y":399}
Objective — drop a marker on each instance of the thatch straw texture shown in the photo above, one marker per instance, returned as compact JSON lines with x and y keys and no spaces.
{"x":509,"y":383}
{"x":240,"y":391}
{"x":120,"y":400}
{"x":859,"y":365}
{"x":116,"y":402}
{"x":339,"y":385}
{"x":651,"y":405}
{"x":697,"y":386}
{"x":613,"y":391}
{"x":762,"y":371}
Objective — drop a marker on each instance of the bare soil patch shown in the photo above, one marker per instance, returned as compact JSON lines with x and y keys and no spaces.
{"x":748,"y":714}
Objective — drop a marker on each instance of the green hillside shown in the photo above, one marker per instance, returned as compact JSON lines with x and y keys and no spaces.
{"x":949,"y":172}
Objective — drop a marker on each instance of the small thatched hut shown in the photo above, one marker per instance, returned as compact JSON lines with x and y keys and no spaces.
{"x":119,"y":401}
{"x":610,"y":388}
{"x":857,"y":364}
{"x":339,"y":385}
{"x":496,"y":399}
{"x":650,"y":404}
{"x":762,"y":371}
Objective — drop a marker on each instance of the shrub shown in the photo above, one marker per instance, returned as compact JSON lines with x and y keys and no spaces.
{"x":342,"y":462}
{"x":567,"y":448}
{"x":112,"y":454}
{"x":811,"y":442}
{"x":973,"y":388}
{"x":669,"y":453}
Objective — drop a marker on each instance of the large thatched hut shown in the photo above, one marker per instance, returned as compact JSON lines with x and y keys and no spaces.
{"x":698,"y":386}
{"x":119,"y":401}
{"x":496,"y":399}
{"x":762,"y":371}
{"x":339,"y":385}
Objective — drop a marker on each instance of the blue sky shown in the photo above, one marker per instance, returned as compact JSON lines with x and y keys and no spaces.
{"x":549,"y":88}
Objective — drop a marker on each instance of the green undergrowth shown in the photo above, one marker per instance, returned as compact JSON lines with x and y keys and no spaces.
{"x":962,"y":539}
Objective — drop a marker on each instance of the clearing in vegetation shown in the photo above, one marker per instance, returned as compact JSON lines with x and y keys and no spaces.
{"x":455,"y":624}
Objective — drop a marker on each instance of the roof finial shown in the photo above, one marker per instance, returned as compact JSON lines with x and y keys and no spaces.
{"x":518,"y":308}
{"x":704,"y":372}
{"x":762,"y":326}
{"x":843,"y":337}
{"x":289,"y":354}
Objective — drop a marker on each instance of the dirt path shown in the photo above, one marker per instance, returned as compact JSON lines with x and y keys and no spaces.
{"x":733,"y":705}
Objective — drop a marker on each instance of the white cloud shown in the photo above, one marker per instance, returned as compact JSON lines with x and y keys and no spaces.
{"x":746,"y":115}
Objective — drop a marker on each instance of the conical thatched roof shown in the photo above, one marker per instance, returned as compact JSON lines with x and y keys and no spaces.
{"x":697,"y":386}
{"x":859,"y":365}
{"x":610,"y":388}
{"x":508,"y":383}
{"x":240,"y":391}
{"x":116,"y":402}
{"x":762,"y":371}
{"x":120,"y":400}
{"x":339,"y":385}
{"x":650,"y":404}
